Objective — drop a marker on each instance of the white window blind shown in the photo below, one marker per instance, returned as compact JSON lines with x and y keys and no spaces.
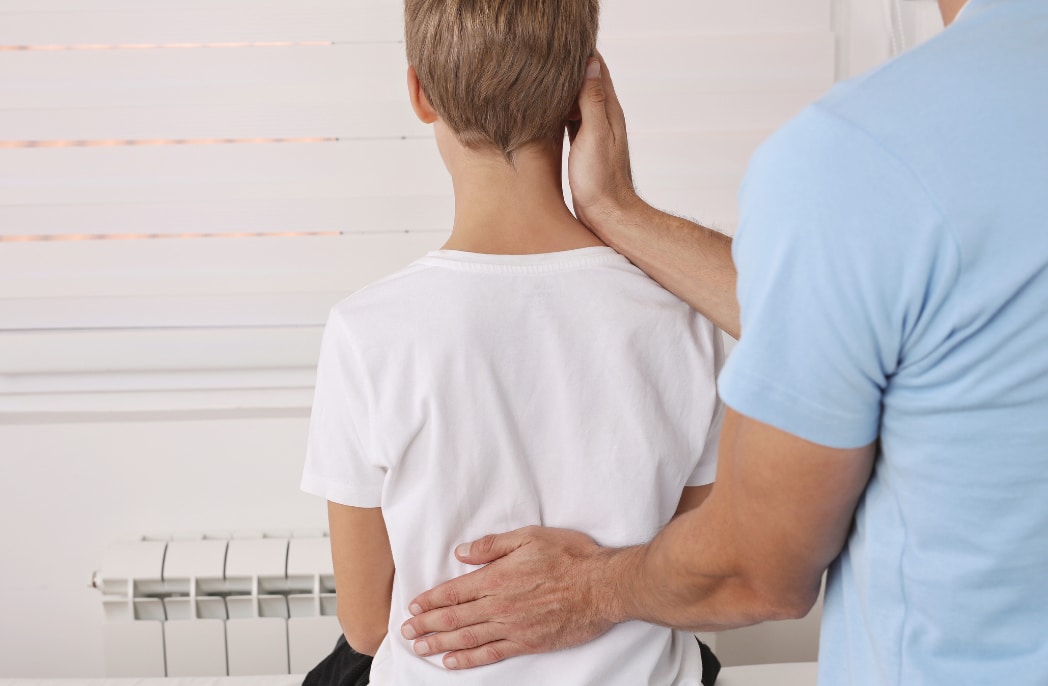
{"x":187,"y":186}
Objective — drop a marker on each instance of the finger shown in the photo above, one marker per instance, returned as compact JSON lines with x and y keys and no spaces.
{"x":444,"y":619}
{"x":484,"y":655}
{"x":452,"y":605}
{"x":465,"y":638}
{"x":452,"y":593}
{"x":593,"y":100}
{"x":491,"y":547}
{"x":616,"y":117}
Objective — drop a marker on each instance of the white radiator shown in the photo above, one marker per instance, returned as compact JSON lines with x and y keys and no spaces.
{"x":218,"y":605}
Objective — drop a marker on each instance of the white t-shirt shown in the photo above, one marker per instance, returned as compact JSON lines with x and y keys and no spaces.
{"x":471,"y":394}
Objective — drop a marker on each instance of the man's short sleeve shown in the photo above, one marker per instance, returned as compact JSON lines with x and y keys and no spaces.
{"x":841,"y":256}
{"x":339,"y":460}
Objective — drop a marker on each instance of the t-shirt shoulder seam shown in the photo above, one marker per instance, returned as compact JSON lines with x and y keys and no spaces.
{"x":944,"y":217}
{"x":945,"y":220}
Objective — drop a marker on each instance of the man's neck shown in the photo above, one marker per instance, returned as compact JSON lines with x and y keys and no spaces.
{"x":950,"y":9}
{"x":511,"y":210}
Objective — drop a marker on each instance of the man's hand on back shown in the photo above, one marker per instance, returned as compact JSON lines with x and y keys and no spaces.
{"x":540,"y":591}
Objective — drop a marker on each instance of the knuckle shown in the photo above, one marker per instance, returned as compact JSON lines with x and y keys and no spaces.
{"x":493,"y":653}
{"x":486,"y":544}
{"x":448,"y":621}
{"x":469,"y":639}
{"x":449,"y":596}
{"x":596,"y":93}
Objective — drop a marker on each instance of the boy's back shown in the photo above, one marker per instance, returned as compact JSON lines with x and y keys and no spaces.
{"x":472,"y":393}
{"x":526,"y":374}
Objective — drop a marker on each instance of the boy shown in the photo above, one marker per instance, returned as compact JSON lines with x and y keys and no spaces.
{"x":524,"y":374}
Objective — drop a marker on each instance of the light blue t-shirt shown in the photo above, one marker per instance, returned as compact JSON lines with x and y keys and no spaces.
{"x":893,"y":280}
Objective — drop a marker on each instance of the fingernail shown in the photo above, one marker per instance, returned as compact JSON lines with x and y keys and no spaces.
{"x":421,"y":647}
{"x":593,"y":69}
{"x":415,"y":609}
{"x":462,"y":550}
{"x":451,"y":662}
{"x":407,"y":631}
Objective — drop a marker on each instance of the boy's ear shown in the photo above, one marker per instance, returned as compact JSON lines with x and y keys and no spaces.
{"x":575,"y":114}
{"x":423,"y":110}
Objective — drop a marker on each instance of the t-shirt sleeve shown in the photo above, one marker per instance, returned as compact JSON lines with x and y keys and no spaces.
{"x":705,"y":471}
{"x":842,"y":259}
{"x":340,"y":464}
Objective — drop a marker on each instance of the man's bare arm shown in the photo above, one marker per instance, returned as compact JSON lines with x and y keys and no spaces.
{"x":692,"y":497}
{"x":780,"y":511}
{"x":690,"y":260}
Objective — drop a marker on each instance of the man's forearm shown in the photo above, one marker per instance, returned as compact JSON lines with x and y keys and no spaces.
{"x":780,"y":511}
{"x":688,"y":578}
{"x":690,"y":260}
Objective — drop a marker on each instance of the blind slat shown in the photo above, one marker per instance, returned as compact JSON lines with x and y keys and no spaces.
{"x":48,"y":22}
{"x":168,"y":311}
{"x":700,"y":111}
{"x":364,"y":74}
{"x":379,"y":119}
{"x":205,"y":173}
{"x":214,"y":173}
{"x":202,"y":76}
{"x":219,"y":266}
{"x":405,"y":212}
{"x":655,"y":64}
{"x":168,"y":349}
{"x":271,"y":21}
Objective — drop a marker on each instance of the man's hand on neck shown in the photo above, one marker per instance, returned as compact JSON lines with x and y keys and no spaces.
{"x":690,"y":260}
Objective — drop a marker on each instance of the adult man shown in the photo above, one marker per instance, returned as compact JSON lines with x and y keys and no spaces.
{"x":889,"y":394}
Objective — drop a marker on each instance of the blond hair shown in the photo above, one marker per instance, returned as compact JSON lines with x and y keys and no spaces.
{"x":503,"y":73}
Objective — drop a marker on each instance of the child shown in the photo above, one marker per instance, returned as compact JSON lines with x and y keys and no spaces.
{"x":524,"y":374}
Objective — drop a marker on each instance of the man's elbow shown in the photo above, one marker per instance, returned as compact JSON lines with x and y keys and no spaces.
{"x":790,"y":608}
{"x":778,"y":601}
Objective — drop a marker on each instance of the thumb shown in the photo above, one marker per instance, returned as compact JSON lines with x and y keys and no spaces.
{"x":592,"y":98}
{"x":489,"y":548}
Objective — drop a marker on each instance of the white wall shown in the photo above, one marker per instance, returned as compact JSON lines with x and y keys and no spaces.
{"x":67,"y":491}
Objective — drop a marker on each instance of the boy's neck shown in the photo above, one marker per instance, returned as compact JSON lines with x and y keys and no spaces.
{"x":511,"y":210}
